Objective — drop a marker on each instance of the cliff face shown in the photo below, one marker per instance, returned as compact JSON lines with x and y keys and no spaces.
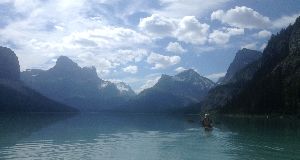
{"x":275,"y":87}
{"x":14,"y":96}
{"x":242,"y":59}
{"x":294,"y":45}
{"x":240,"y":71}
{"x":269,"y":85}
{"x":9,"y":64}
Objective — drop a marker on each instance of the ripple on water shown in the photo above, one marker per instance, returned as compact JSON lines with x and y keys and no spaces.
{"x":76,"y":139}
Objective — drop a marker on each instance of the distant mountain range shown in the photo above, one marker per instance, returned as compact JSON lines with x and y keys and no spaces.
{"x":15,"y":96}
{"x":79,"y":87}
{"x":172,"y":93}
{"x":255,"y":83}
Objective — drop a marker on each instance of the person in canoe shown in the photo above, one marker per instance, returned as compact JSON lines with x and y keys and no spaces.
{"x":207,"y":122}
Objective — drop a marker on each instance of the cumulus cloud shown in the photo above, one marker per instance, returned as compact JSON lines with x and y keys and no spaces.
{"x":190,"y":30}
{"x":175,"y":47}
{"x":131,"y":69}
{"x":187,"y":29}
{"x":160,"y":61}
{"x":223,"y":36}
{"x":263,"y":34}
{"x":245,"y":17}
{"x":158,"y":25}
{"x":242,"y":17}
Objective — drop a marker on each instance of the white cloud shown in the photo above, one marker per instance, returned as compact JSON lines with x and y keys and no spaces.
{"x":175,"y":47}
{"x":131,"y":55}
{"x":111,"y":60}
{"x":216,"y":76}
{"x":180,"y":8}
{"x":69,"y":31}
{"x":105,"y":37}
{"x":223,"y":37}
{"x":284,"y":21}
{"x":160,"y":61}
{"x":158,"y":25}
{"x":180,"y":69}
{"x":263,"y":34}
{"x":250,"y":46}
{"x":242,"y":17}
{"x":190,"y":30}
{"x":60,"y":28}
{"x":130,"y":69}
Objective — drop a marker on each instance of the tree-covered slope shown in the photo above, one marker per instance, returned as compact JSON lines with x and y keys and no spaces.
{"x":275,"y":87}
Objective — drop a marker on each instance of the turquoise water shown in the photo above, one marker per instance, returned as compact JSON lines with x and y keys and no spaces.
{"x":143,"y":137}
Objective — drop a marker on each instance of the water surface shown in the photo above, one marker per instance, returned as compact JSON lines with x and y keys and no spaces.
{"x":145,"y":136}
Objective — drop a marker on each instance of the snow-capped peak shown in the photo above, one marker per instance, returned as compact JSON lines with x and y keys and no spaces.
{"x":122,"y":87}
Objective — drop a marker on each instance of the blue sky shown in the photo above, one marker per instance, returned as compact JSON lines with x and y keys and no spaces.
{"x":136,"y":41}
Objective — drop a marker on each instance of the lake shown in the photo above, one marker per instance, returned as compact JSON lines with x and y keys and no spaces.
{"x":145,"y":137}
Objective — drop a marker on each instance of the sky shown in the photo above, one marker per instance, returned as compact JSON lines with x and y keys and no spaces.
{"x":135,"y":41}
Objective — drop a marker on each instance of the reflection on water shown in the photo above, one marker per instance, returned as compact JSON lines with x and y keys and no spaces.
{"x":16,"y":127}
{"x":142,"y":136}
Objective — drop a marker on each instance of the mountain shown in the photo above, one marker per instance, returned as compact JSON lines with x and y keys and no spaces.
{"x":242,"y":58}
{"x":188,"y":84}
{"x":79,"y":87}
{"x":124,"y":89}
{"x":9,"y":65}
{"x":241,"y":70}
{"x":173,"y":93}
{"x":275,"y":87}
{"x":14,"y":96}
{"x":269,"y":85}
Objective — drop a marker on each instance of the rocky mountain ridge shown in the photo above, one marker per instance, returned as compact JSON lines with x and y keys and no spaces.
{"x":15,"y":96}
{"x":79,"y":87}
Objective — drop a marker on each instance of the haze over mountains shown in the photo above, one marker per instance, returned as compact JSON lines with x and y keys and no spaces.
{"x":14,"y":96}
{"x":171,"y":93}
{"x":255,"y":83}
{"x":79,"y":87}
